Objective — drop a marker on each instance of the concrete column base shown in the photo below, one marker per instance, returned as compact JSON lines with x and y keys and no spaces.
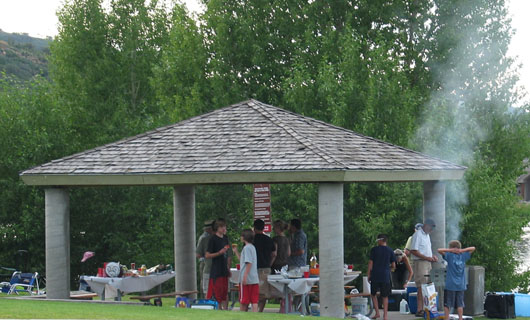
{"x":331,"y":249}
{"x":57,"y":221}
{"x":184,"y":236}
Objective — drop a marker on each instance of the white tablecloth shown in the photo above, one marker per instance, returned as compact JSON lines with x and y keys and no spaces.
{"x":298,"y":285}
{"x":302,"y":285}
{"x":109,"y":287}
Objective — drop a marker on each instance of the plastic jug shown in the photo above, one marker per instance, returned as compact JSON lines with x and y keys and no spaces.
{"x":404,"y":307}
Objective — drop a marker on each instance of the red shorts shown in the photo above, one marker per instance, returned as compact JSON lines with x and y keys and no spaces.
{"x":248,"y":293}
{"x":218,"y":288}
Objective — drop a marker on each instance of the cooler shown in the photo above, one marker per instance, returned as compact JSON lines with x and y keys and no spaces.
{"x":413,"y":302}
{"x":500,"y":305}
{"x":522,"y":305}
{"x":395,"y":298}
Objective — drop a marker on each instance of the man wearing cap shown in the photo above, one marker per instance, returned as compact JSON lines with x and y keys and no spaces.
{"x":422,"y":256}
{"x":204,"y":264}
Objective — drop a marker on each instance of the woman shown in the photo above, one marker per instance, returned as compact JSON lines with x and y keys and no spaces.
{"x":402,"y":275}
{"x":281,"y":242}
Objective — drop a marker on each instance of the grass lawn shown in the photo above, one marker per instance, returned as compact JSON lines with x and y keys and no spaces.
{"x":24,"y":309}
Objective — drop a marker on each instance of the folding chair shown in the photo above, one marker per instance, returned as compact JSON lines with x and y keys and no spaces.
{"x":6,"y":286}
{"x":22,"y":282}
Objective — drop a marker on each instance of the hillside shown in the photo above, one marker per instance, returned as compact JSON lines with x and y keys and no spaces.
{"x":23,"y":56}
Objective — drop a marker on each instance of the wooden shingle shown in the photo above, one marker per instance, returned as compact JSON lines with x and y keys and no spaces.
{"x":249,"y":141}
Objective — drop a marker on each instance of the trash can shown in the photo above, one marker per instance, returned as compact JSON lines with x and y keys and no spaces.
{"x":474,"y":295}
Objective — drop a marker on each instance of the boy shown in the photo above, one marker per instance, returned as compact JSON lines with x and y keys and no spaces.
{"x":218,"y":247}
{"x":455,"y":281}
{"x":381,"y":257}
{"x":248,"y":276}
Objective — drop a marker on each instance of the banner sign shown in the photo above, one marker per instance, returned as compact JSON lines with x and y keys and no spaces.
{"x":262,"y":205}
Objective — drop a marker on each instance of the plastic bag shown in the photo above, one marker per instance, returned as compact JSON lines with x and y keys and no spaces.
{"x":360,"y":317}
{"x":429,"y":294}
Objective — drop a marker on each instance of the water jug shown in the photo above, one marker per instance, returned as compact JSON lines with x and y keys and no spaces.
{"x":404,"y":307}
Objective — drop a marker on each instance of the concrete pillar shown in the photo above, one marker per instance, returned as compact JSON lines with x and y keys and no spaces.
{"x":434,"y":208}
{"x":184,"y":234}
{"x":57,"y":222}
{"x":331,"y":249}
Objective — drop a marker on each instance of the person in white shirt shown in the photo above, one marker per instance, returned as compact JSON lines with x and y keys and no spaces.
{"x":422,"y":256}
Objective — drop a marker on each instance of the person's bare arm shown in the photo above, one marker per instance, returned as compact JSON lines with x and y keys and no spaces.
{"x":468,"y":249}
{"x":369,"y":271}
{"x":273,"y":256}
{"x":234,"y":249}
{"x":409,"y":268}
{"x":210,"y":255}
{"x":423,"y":257}
{"x":298,"y":252}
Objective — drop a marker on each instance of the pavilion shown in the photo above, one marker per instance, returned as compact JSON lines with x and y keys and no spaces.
{"x":248,"y":142}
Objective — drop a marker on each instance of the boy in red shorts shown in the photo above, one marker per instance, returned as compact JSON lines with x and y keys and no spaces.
{"x":248,"y":277}
{"x":218,"y":246}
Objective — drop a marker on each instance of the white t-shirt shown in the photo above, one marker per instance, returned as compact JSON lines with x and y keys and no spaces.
{"x":421,"y":242}
{"x":249,"y":257}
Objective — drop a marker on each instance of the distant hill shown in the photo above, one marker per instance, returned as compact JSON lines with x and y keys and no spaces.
{"x":23,"y":56}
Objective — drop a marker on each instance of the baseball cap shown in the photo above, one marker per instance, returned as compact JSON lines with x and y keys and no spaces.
{"x":208,"y":223}
{"x":430,"y":222}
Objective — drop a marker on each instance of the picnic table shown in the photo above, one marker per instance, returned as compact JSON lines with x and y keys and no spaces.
{"x":301,"y":286}
{"x":107,"y":287}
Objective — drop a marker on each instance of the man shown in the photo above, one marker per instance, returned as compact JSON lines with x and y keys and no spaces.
{"x":218,"y":247}
{"x":422,"y":256}
{"x":381,"y":259}
{"x":266,"y":252}
{"x":298,"y":256}
{"x":204,"y":264}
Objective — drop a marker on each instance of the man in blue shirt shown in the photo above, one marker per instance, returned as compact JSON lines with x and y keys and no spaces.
{"x":381,"y":258}
{"x":455,"y":280}
{"x":298,"y":256}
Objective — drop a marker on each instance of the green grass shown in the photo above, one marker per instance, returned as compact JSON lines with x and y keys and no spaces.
{"x":35,"y":309}
{"x":23,"y":309}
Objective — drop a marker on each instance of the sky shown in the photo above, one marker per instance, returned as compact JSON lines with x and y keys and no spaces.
{"x":38,"y":19}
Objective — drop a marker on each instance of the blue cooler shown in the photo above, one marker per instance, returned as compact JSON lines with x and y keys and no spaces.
{"x":413,"y":302}
{"x":522,"y":305}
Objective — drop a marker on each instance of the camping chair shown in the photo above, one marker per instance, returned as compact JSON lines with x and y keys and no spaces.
{"x":22,"y":282}
{"x":6,"y":286}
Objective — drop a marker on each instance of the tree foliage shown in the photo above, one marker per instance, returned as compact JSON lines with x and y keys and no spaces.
{"x":433,"y":76}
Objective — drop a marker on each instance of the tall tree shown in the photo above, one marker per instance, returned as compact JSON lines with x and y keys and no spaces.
{"x":101,"y":63}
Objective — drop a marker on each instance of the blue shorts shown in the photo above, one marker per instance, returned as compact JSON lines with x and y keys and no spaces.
{"x":453,"y":299}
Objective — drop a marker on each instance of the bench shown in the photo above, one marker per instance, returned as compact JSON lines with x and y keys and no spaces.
{"x":83,"y":296}
{"x":157,"y":297}
{"x":355,"y":295}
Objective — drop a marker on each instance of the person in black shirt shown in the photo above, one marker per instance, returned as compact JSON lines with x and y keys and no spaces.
{"x":381,"y":257}
{"x":266,"y":252}
{"x":218,"y":250}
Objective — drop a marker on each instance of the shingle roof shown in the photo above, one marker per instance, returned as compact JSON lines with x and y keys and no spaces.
{"x":248,"y":137}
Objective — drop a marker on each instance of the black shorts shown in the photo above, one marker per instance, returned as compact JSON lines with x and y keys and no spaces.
{"x":384,"y":288}
{"x":453,"y":299}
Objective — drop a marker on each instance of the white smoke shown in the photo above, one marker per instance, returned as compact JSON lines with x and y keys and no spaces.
{"x":458,"y":116}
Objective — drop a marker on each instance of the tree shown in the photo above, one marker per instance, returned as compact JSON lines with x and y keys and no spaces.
{"x":101,"y":63}
{"x":34,"y":129}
